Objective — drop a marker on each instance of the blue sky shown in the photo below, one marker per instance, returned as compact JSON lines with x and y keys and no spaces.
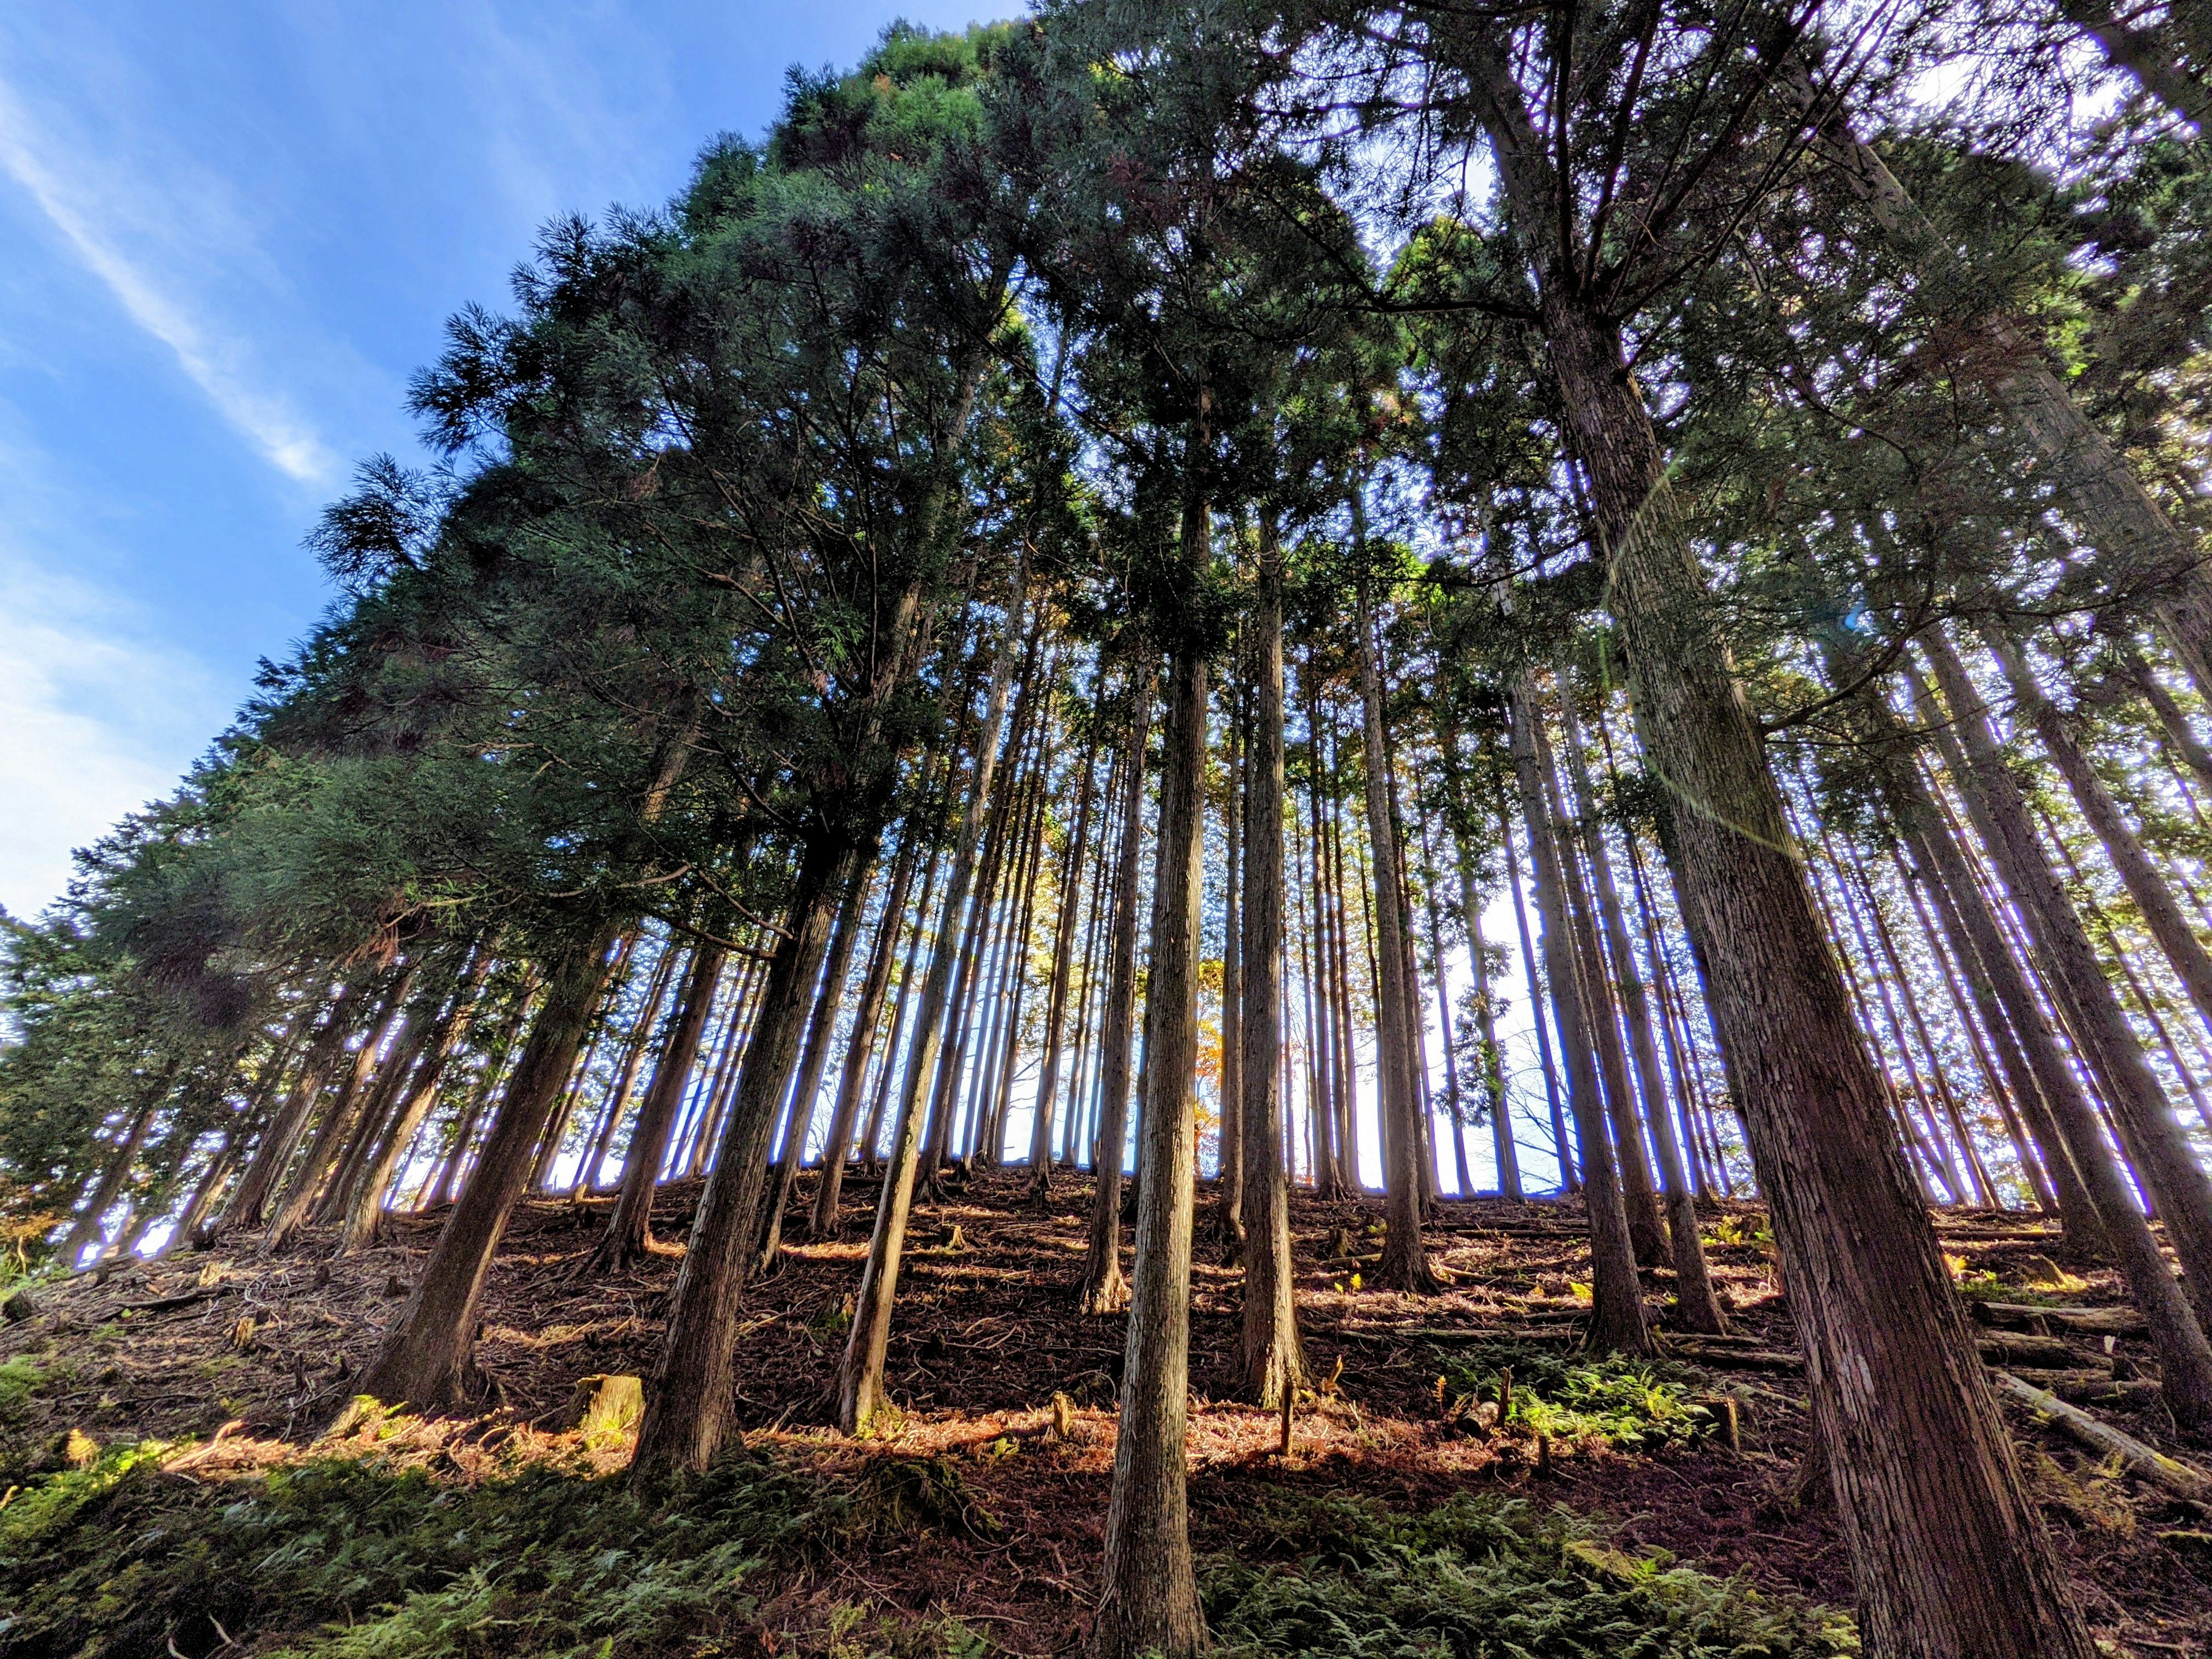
{"x":227,"y":233}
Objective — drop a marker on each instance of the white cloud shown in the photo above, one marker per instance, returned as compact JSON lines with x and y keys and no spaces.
{"x":95,"y":212}
{"x":97,"y":718}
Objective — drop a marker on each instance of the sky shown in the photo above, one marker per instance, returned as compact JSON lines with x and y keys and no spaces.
{"x":227,"y":236}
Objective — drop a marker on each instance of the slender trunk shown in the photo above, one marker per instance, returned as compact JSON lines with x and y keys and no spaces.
{"x":822,"y":1223}
{"x":1063,"y":952}
{"x":1617,"y":1298}
{"x":2147,"y":1130}
{"x":688,"y":1406}
{"x":1230,"y":1217}
{"x":1405,"y":1264}
{"x":249,"y":1205}
{"x":1149,"y":1601}
{"x":1103,"y":1290}
{"x":633,"y":1061}
{"x":1948,"y":1551}
{"x":860,"y":1392}
{"x":361,"y":1216}
{"x":340,"y":1118}
{"x":87,"y":1227}
{"x":425,"y":1357}
{"x":1570,"y":1178}
{"x":1693,"y":1286}
{"x":628,"y":1237}
{"x":1647,"y":1236}
{"x":822,"y":1028}
{"x":1271,"y":1356}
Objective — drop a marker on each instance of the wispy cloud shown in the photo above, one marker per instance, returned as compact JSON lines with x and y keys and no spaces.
{"x":84,"y":207}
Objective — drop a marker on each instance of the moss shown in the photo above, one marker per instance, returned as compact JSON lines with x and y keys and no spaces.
{"x":1484,"y":1576}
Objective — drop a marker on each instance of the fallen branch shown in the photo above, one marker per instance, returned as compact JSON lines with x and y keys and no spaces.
{"x":2135,"y":1457}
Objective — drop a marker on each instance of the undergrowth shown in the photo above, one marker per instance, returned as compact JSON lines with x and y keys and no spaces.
{"x":1637,"y":1405}
{"x":1490,"y":1578}
{"x":340,"y":1560}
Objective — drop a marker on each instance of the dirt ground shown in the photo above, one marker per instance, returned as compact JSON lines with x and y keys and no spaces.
{"x":987,"y":1332}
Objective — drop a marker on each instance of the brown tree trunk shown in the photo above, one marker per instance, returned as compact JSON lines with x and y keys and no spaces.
{"x":625,"y":1079}
{"x":861,"y":1390}
{"x":1063,"y":952}
{"x":1405,"y":1263}
{"x":1148,"y":1602}
{"x":1949,"y":1554}
{"x":249,"y":1205}
{"x":341,"y":1117}
{"x":1230,"y":1216}
{"x":425,"y":1359}
{"x":1693,"y":1286}
{"x":688,"y":1406}
{"x":1271,"y":1356}
{"x":821,"y":1029}
{"x":822,"y":1223}
{"x":87,"y":1227}
{"x":2155,"y":900}
{"x":1647,"y":1237}
{"x":1570,"y":1178}
{"x":1103,"y":1290}
{"x":361,"y":1216}
{"x":1616,"y":1296}
{"x":628,"y":1237}
{"x":2147,"y":1130}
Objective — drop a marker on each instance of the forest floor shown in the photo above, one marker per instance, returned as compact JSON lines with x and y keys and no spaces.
{"x":973,"y":1524}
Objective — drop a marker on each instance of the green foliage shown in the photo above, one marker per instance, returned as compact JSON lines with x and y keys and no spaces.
{"x":339,"y":1557}
{"x":1490,"y":1577}
{"x":19,"y":1379}
{"x":1637,"y":1405}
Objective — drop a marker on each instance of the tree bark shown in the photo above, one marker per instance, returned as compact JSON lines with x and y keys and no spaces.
{"x":822,"y":1223}
{"x":628,"y":1237}
{"x":1149,"y":1599}
{"x":820,"y":1028}
{"x":1063,"y":952}
{"x":1103,"y":1290}
{"x":1230,"y":1158}
{"x":861,"y":1390}
{"x":688,"y":1408}
{"x":1405,"y":1263}
{"x":425,"y":1357}
{"x":249,"y":1205}
{"x":1616,"y":1296}
{"x":2147,"y":1130}
{"x":1271,"y":1355}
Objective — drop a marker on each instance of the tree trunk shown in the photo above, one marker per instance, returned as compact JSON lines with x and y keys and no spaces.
{"x":1647,"y":1237}
{"x":1103,"y":1290}
{"x":2147,"y":1131}
{"x":340,"y":1118}
{"x":1616,"y":1297}
{"x":1949,"y":1552}
{"x":1693,"y":1286}
{"x":689,"y":1405}
{"x":426,"y":1357}
{"x":1405,"y":1263}
{"x":1148,"y":1602}
{"x":628,"y":1237}
{"x":249,"y":1205}
{"x":822,"y":1223}
{"x":361,"y":1217}
{"x":1063,"y":952}
{"x":1571,"y":1180}
{"x":821,"y":1029}
{"x":2162,"y":913}
{"x":860,"y":1392}
{"x":633,"y":1061}
{"x":1230,"y":1158}
{"x":1271,"y":1355}
{"x":87,"y":1227}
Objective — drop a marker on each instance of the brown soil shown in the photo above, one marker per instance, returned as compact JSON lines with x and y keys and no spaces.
{"x":987,"y":1333}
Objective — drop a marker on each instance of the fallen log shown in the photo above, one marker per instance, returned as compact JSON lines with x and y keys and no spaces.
{"x":2087,"y":1322}
{"x":2146,"y":1462}
{"x":2019,"y":1348}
